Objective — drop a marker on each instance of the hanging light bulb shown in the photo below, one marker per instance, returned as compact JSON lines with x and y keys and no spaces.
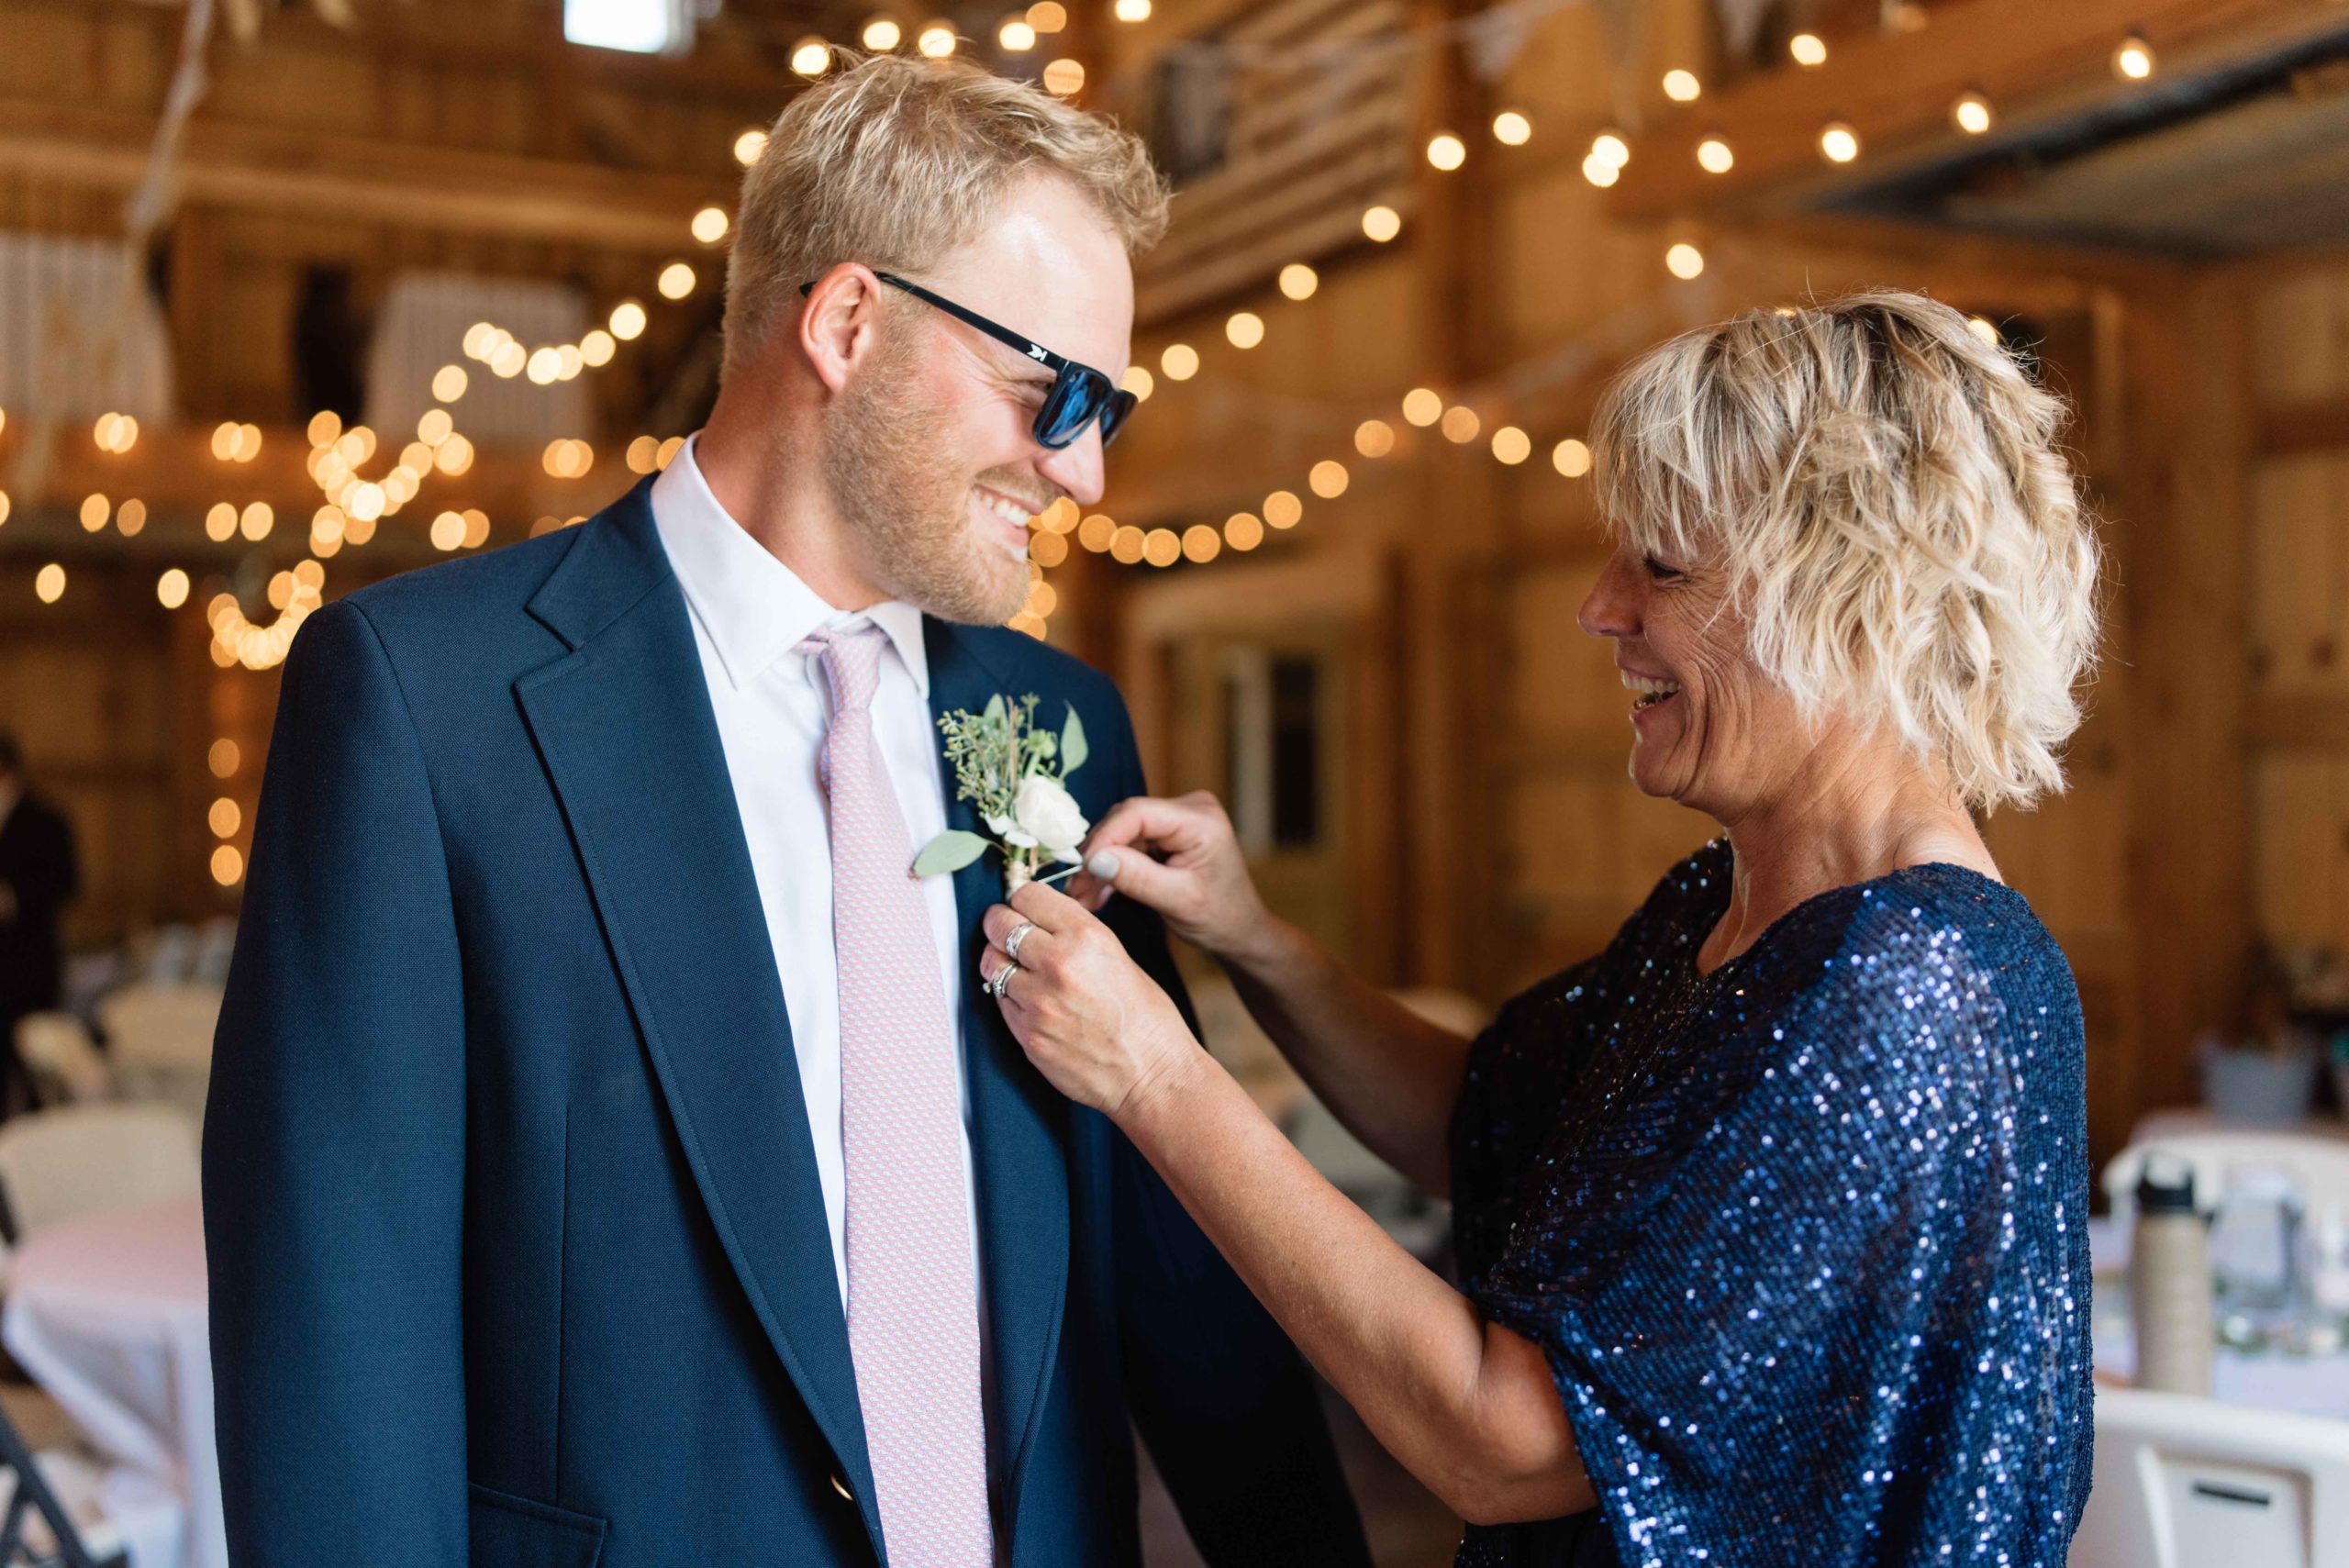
{"x":1838,"y":142}
{"x":1810,"y":50}
{"x":1971,"y":113}
{"x":1714,"y":157}
{"x":882,"y":34}
{"x":2133,"y":60}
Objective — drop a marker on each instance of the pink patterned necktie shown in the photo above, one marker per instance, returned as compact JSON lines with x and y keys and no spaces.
{"x":913,"y":1327}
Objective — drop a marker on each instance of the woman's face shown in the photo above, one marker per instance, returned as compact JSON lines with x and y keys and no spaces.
{"x":1711,"y":729}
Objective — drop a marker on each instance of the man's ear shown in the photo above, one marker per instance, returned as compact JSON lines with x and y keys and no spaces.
{"x":840,"y":322}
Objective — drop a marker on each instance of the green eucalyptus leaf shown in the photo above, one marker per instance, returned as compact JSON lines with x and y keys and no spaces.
{"x":994,"y":714}
{"x":1074,"y":750}
{"x":950,"y":851}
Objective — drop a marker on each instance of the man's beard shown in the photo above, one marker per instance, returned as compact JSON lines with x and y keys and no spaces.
{"x":911,"y":515}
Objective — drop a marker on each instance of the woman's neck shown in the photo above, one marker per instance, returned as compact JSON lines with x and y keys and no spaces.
{"x":1851,"y":822}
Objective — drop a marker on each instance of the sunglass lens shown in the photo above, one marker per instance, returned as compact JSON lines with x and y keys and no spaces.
{"x":1067,"y":409}
{"x":1113,"y":416}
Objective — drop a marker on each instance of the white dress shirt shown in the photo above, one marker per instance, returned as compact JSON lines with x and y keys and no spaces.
{"x":749,"y":614}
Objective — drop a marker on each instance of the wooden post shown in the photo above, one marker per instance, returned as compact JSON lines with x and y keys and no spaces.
{"x":2180,"y":560}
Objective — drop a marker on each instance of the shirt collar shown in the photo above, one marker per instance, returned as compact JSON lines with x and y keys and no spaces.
{"x":755,"y":608}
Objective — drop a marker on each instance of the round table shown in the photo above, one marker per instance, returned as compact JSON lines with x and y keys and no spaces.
{"x":107,"y":1314}
{"x":2298,"y":1384}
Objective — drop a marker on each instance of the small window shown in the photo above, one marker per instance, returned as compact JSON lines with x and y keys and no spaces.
{"x":640,"y":27}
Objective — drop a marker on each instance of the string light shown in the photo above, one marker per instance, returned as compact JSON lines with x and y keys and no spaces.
{"x":1159,"y":546}
{"x":750,"y":143}
{"x":1374,"y":438}
{"x":1328,"y":479}
{"x":4,"y":506}
{"x":228,"y":866}
{"x":1018,"y":34}
{"x":1604,"y":164}
{"x":1283,"y":509}
{"x":1381,"y":224}
{"x":676,"y":281}
{"x":130,"y":518}
{"x":171,"y":589}
{"x":1048,"y":16}
{"x":2133,"y":60}
{"x":1064,"y":78}
{"x":1201,"y":543}
{"x":935,"y":41}
{"x":1421,"y":406}
{"x":1461,"y":425}
{"x":1683,"y":261}
{"x":810,"y":57}
{"x":627,"y":320}
{"x":449,"y":382}
{"x":710,"y":225}
{"x":96,"y":510}
{"x":1245,"y":328}
{"x":1299,"y":281}
{"x":1971,"y":113}
{"x":1131,"y":10}
{"x":1126,"y":545}
{"x":1180,"y":362}
{"x":1511,"y":129}
{"x":1714,"y":157}
{"x":1140,"y":381}
{"x":116,"y":433}
{"x":1570,"y":457}
{"x":224,"y":818}
{"x":1682,"y":86}
{"x":1809,"y":49}
{"x":1511,"y":445}
{"x":1984,"y":328}
{"x":1243,"y":531}
{"x":48,"y":583}
{"x":1447,"y":152}
{"x":224,"y":758}
{"x":1838,"y":142}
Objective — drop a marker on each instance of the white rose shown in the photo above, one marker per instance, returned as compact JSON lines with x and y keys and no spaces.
{"x":1047,"y":813}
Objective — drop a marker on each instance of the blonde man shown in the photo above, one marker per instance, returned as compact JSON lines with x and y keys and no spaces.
{"x":610,"y":1161}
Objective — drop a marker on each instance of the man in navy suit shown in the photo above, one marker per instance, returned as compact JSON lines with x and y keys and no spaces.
{"x":554,"y":1172}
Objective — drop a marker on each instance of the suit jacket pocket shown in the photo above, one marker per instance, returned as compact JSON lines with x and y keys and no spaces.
{"x":514,"y":1532}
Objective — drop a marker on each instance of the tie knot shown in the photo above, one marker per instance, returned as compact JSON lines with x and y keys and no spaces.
{"x":851,"y":659}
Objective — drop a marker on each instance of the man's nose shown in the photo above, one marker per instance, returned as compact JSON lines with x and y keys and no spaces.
{"x":1077,"y":468}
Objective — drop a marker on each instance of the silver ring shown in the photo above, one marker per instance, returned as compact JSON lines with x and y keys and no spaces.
{"x":1002,"y":980}
{"x":1011,"y":943}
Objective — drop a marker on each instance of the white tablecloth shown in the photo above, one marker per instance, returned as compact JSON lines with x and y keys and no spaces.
{"x":2301,"y":1385}
{"x":107,"y":1314}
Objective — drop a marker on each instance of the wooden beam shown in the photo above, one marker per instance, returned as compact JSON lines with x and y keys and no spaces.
{"x":2322,"y":426}
{"x":2037,"y":62}
{"x":264,"y":169}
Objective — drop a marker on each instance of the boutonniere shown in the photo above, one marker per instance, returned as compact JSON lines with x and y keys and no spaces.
{"x":1015,"y":773}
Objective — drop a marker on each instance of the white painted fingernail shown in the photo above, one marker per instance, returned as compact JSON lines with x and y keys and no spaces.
{"x":1103,"y":865}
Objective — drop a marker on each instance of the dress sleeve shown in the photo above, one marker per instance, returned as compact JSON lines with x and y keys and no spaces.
{"x":1826,"y":1340}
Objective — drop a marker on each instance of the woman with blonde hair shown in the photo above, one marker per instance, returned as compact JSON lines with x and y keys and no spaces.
{"x":1769,"y":1216}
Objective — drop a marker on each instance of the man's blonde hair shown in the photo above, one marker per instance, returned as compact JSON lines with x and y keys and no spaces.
{"x":1894,"y":514}
{"x":893,"y":161}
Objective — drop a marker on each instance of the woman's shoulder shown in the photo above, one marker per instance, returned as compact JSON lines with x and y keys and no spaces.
{"x":1933,"y":945}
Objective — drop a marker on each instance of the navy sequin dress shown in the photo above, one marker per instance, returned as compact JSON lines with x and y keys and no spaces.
{"x":1804,"y":1238}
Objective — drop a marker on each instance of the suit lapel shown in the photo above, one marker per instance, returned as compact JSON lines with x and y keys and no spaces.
{"x":1020,"y":1124}
{"x":626,"y":730}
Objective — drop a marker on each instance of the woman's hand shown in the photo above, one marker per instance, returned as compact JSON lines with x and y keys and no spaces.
{"x":1180,"y":858}
{"x":1099,"y":1029}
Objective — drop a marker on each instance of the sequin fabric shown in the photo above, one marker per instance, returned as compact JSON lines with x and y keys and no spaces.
{"x":1804,"y":1238}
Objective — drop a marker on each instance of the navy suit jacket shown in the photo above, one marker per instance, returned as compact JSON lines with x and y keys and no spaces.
{"x":518,"y":1253}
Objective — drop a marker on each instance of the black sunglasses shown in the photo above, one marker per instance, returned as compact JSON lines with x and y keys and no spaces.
{"x":1079,"y":392}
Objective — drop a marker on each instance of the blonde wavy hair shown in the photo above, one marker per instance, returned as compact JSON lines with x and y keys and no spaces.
{"x":893,"y":161}
{"x":1896,"y":518}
